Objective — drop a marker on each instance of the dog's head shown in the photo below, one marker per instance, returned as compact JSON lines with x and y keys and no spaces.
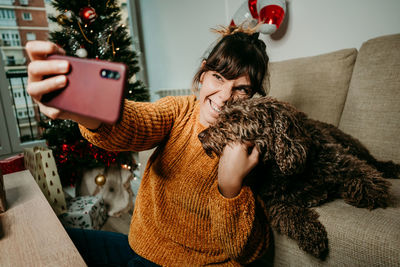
{"x":274,"y":127}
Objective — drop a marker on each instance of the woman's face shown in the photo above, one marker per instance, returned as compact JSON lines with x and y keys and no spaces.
{"x":216,"y":90}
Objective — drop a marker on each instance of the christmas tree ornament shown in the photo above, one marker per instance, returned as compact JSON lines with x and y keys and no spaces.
{"x":81,"y":52}
{"x":68,"y":14}
{"x":100,"y":179}
{"x":268,"y":13}
{"x":62,"y":19}
{"x":88,"y":14}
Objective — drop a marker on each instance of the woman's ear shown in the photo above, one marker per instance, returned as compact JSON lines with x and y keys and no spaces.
{"x":203,"y":63}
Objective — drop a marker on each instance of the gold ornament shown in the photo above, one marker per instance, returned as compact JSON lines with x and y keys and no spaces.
{"x":100,"y":179}
{"x":62,"y":19}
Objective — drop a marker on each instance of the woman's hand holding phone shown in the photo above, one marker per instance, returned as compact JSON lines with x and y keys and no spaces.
{"x":57,"y":70}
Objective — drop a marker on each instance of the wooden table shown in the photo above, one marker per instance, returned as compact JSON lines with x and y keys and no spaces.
{"x":30,"y":232}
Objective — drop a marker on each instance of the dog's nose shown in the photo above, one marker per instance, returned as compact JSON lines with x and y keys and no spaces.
{"x":201,"y":135}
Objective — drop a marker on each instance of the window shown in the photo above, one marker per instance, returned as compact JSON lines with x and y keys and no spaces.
{"x":10,"y":38}
{"x":26,"y":16}
{"x":19,"y":117}
{"x":23,"y":2}
{"x":10,"y":61}
{"x":7,"y":14}
{"x":30,"y":36}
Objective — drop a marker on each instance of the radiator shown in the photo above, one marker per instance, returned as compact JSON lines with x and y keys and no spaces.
{"x":174,"y":92}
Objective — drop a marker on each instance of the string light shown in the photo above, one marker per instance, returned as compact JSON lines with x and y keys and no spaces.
{"x":84,"y":36}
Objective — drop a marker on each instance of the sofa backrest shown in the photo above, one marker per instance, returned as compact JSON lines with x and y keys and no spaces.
{"x":372,"y":109}
{"x":316,"y":85}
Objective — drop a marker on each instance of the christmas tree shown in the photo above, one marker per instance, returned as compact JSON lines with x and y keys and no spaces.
{"x":92,"y":30}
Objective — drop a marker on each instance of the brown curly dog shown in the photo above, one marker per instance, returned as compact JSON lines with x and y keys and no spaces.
{"x":303,"y":163}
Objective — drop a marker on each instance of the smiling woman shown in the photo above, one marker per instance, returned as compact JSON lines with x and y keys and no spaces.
{"x":190,"y":210}
{"x":237,"y":55}
{"x":216,"y":90}
{"x":235,"y":68}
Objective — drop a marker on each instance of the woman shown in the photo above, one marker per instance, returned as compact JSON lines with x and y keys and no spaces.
{"x":190,"y":209}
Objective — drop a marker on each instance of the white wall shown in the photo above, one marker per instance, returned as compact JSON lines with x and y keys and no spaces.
{"x":176,"y":32}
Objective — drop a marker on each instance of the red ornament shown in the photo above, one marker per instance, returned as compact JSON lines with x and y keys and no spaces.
{"x":88,"y":14}
{"x":269,"y":13}
{"x":272,"y":14}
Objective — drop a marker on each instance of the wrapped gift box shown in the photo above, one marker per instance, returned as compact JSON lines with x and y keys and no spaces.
{"x":12,"y":164}
{"x":86,"y":212}
{"x":40,"y":162}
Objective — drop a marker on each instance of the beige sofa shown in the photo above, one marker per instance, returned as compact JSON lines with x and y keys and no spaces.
{"x":358,"y":91}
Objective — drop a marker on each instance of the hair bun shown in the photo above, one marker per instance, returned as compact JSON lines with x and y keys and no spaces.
{"x":230,"y":30}
{"x":255,"y":35}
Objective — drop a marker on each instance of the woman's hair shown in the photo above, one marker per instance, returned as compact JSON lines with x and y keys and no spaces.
{"x":239,"y":52}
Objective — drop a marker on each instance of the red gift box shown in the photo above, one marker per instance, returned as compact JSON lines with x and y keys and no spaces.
{"x":12,"y":164}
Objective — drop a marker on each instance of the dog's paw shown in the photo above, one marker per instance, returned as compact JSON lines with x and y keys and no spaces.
{"x":367,"y":193}
{"x":302,"y":225}
{"x":314,"y":240}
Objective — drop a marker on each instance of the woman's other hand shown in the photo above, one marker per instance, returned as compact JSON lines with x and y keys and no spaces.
{"x":236,"y":161}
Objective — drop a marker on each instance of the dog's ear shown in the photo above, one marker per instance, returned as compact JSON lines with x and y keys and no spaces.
{"x":291,"y":142}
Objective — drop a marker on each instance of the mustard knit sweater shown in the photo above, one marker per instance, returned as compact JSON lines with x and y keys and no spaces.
{"x":180,"y":217}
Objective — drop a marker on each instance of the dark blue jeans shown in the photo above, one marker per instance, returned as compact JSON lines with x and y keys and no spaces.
{"x":101,"y":248}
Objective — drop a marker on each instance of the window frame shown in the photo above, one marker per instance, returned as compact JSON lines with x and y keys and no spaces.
{"x":29,"y":36}
{"x":10,"y":142}
{"x":28,"y":14}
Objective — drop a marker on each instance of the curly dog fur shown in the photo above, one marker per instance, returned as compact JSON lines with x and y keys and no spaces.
{"x":303,"y":163}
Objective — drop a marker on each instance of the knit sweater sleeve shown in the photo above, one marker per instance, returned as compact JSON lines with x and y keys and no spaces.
{"x":239,"y":224}
{"x":143,"y":125}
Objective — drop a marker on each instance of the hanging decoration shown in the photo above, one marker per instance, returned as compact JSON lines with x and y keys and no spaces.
{"x":81,"y":52}
{"x":268,"y":13}
{"x":88,"y":14}
{"x":68,"y":14}
{"x":100,"y":179}
{"x":62,"y":19}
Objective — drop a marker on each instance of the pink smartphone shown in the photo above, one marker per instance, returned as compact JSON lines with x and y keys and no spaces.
{"x":95,"y":89}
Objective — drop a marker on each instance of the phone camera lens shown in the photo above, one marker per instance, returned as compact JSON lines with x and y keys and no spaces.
{"x":110,"y":74}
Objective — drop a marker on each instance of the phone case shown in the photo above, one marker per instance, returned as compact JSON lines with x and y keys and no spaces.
{"x":95,"y":89}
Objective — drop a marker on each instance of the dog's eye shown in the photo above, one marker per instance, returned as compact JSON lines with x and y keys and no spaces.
{"x":243,"y":91}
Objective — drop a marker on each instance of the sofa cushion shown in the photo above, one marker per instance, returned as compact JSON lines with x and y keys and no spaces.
{"x":357,"y":237}
{"x":316,"y":85}
{"x":372,"y":109}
